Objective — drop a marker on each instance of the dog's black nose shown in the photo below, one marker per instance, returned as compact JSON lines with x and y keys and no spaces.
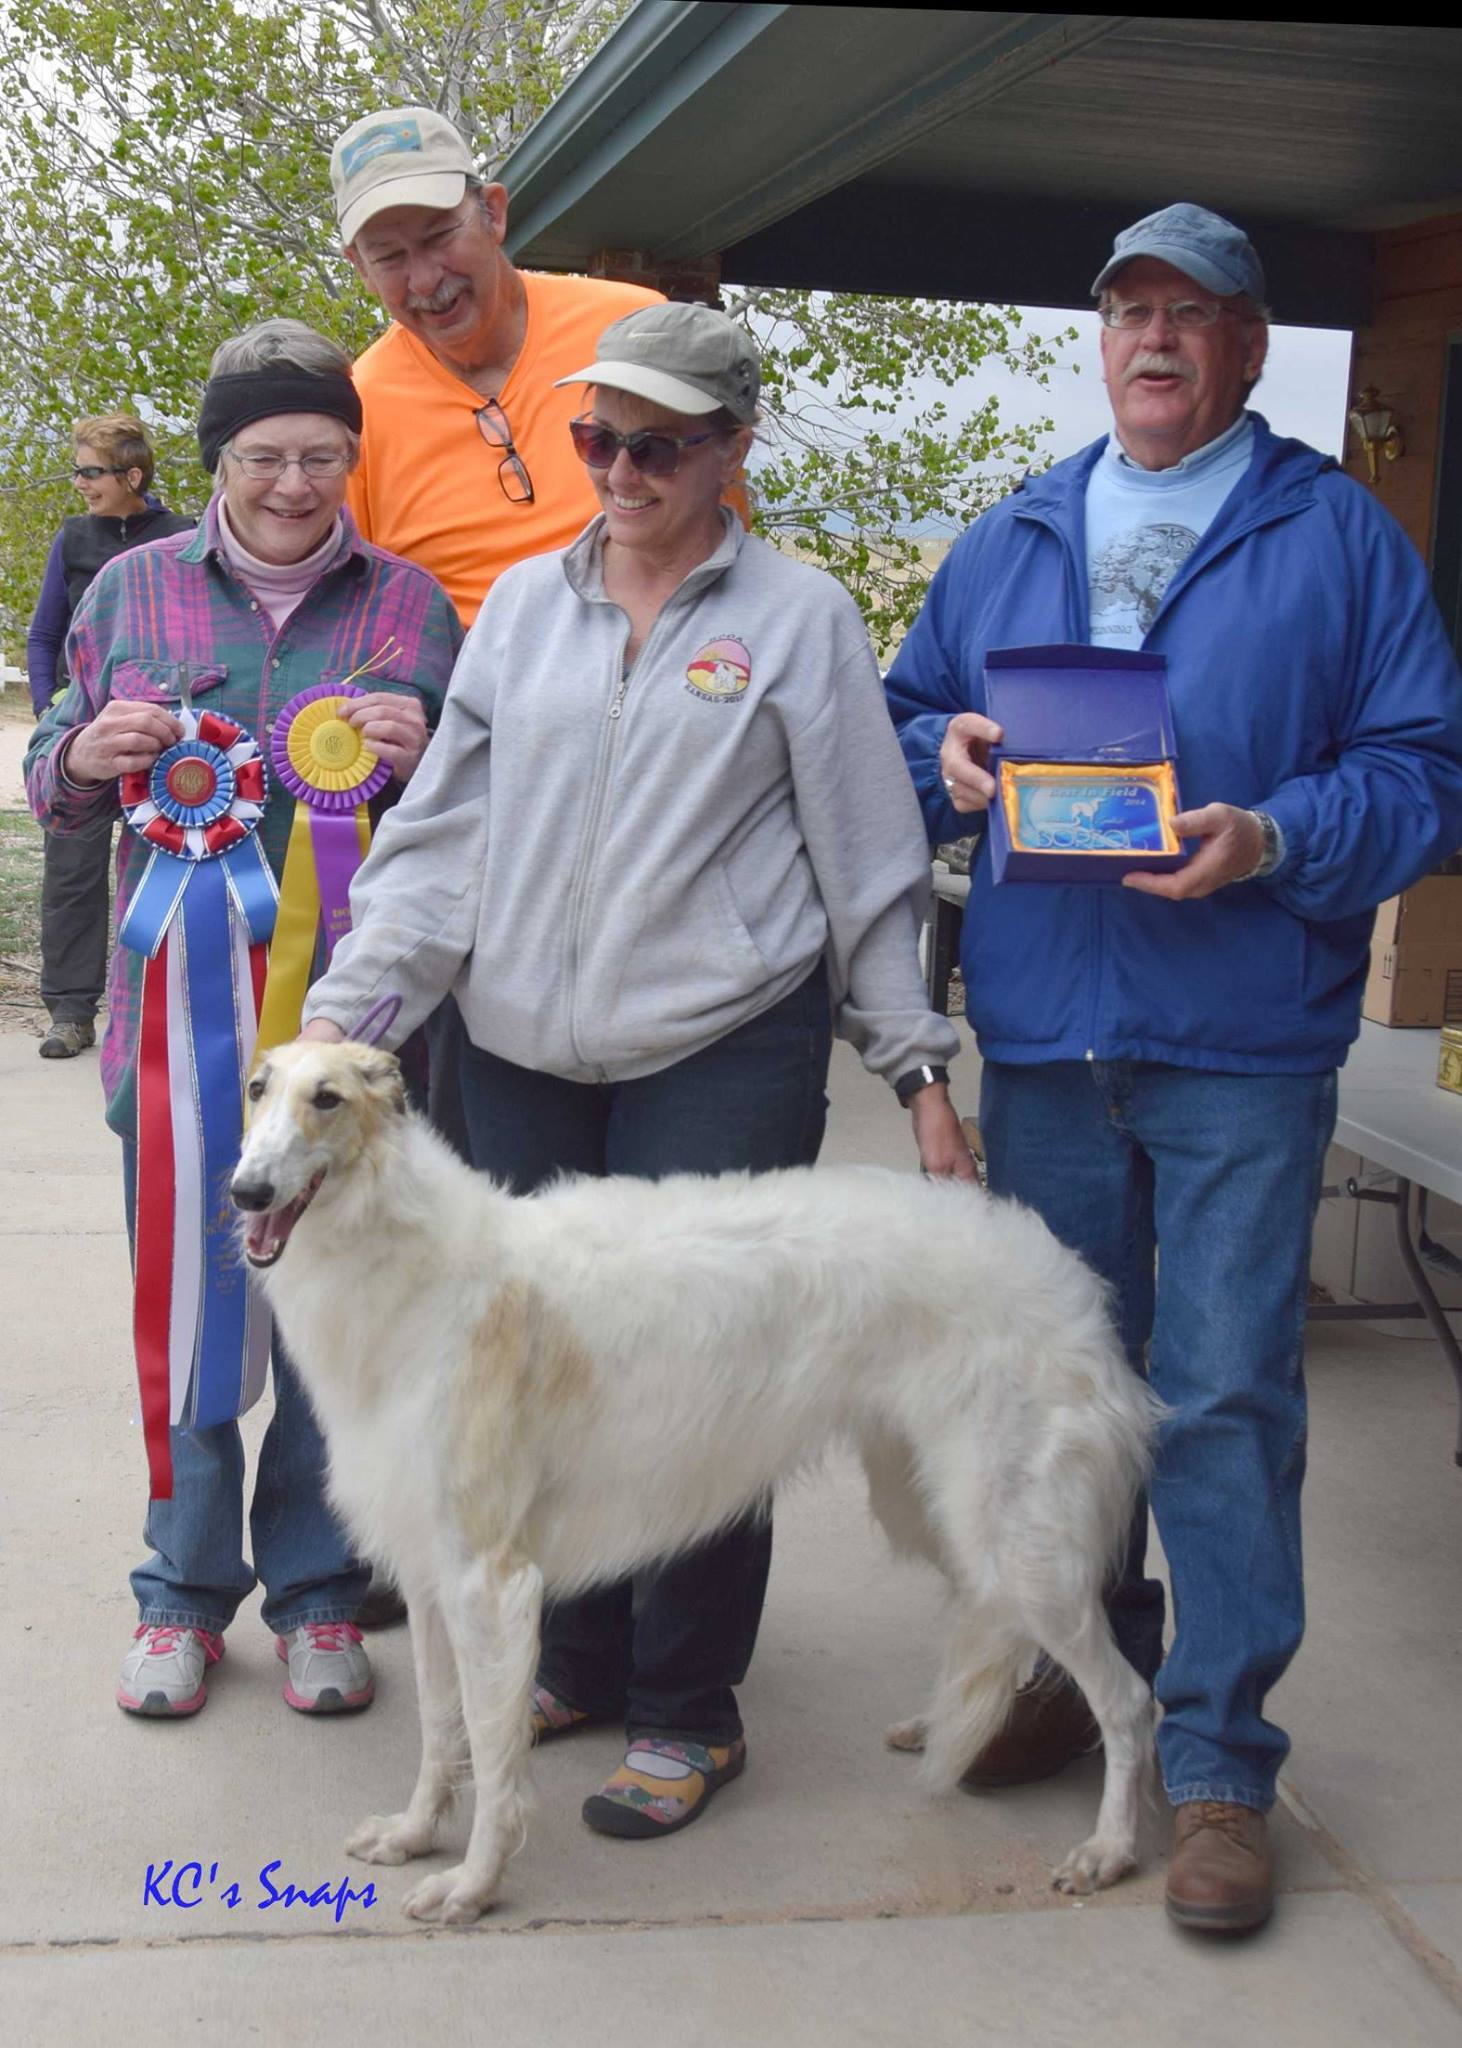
{"x":252,"y":1194}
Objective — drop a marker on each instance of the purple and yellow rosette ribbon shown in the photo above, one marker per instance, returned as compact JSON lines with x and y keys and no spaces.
{"x":332,"y":774}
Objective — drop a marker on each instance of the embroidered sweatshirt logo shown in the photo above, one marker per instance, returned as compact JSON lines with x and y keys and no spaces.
{"x":719,"y":672}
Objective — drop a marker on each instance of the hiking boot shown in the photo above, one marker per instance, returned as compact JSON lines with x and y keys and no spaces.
{"x":1221,"y":1878}
{"x":1050,"y":1726}
{"x":329,"y":1671}
{"x":164,"y":1672}
{"x":67,"y":1037}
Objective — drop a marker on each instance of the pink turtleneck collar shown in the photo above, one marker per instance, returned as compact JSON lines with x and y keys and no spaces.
{"x":279,"y":586}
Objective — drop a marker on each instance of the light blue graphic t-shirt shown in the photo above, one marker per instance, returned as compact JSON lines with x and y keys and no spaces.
{"x":1142,"y":525}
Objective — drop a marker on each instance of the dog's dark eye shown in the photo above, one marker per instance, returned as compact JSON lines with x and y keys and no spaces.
{"x":326,"y":1098}
{"x":256,"y":1088}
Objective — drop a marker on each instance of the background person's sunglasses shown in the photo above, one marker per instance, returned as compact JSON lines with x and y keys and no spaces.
{"x":93,"y":470}
{"x":651,"y":452}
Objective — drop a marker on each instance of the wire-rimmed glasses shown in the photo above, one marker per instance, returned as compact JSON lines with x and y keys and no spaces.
{"x":1130,"y":316}
{"x":264,"y":466}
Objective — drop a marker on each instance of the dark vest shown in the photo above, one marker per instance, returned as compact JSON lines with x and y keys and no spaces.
{"x":88,"y":540}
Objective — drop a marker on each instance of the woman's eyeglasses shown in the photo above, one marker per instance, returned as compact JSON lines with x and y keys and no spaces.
{"x":269,"y":468}
{"x":651,"y":452}
{"x":512,"y":471}
{"x":93,"y":471}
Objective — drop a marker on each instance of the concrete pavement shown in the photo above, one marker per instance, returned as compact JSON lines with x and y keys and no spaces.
{"x":826,"y":1900}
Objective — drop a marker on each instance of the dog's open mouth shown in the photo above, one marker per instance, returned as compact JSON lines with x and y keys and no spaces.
{"x":267,"y":1231}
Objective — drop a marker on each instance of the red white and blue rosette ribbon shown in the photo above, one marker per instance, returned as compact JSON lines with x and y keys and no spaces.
{"x":202,"y":915}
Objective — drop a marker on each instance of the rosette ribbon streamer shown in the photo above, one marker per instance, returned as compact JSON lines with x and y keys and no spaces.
{"x":332,"y":774}
{"x":202,"y":916}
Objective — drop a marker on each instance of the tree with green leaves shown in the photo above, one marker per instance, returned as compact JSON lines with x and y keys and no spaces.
{"x":164,"y":181}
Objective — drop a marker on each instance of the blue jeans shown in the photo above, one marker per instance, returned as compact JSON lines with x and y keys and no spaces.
{"x":196,"y":1575}
{"x":667,"y":1649}
{"x":1193,"y":1194}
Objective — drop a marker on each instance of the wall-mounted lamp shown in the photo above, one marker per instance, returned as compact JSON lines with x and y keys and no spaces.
{"x":1374,"y":426}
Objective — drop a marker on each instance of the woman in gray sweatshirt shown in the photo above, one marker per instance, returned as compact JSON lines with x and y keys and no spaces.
{"x":663,"y":843}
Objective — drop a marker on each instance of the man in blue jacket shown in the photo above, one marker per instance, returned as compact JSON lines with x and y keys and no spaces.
{"x":1160,"y":1059}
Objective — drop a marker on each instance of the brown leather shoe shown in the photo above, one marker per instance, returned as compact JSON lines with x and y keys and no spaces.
{"x":1221,"y":1879}
{"x":1049,"y":1727}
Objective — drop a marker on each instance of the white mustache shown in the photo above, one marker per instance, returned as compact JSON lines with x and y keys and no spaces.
{"x":1150,"y":363}
{"x":438,"y":301}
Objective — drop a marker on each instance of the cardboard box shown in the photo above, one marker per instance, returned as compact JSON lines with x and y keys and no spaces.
{"x":1417,"y":943}
{"x":1077,"y":708}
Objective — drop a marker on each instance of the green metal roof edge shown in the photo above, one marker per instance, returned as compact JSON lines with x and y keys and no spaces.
{"x":660,"y":54}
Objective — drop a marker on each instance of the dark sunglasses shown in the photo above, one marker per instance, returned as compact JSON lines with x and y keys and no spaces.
{"x":92,"y":470}
{"x":651,"y":452}
{"x":512,"y":471}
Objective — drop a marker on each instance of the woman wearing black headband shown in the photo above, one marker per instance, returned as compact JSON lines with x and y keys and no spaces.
{"x":275,"y":592}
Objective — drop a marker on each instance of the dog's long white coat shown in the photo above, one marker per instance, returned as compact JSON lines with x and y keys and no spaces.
{"x":559,"y":1389}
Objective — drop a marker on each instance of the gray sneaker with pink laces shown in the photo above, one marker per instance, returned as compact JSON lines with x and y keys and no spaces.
{"x":165,"y":1671}
{"x":329,"y":1671}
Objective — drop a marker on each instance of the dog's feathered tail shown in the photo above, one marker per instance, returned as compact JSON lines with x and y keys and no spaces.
{"x":1037,"y":1546}
{"x":972,"y":1701}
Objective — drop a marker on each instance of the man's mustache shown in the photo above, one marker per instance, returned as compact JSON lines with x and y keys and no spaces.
{"x":1149,"y":363}
{"x":437,"y":301}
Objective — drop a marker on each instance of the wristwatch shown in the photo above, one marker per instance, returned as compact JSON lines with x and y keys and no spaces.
{"x":1273,"y":852}
{"x":907,"y":1086}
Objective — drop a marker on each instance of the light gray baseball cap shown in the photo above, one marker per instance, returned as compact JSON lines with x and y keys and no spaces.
{"x":687,"y":357}
{"x":1203,"y":245}
{"x":406,"y":156}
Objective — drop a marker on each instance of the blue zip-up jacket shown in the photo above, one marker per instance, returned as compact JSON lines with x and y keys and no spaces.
{"x":1310,"y":677}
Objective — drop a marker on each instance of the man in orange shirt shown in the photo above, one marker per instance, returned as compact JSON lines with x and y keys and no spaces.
{"x":466,"y":462}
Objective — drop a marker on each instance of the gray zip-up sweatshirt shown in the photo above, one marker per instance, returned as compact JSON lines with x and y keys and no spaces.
{"x":611,"y":872}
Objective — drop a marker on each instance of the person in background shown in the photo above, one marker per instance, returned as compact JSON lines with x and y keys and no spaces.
{"x":274,"y":594}
{"x":112,"y":467}
{"x":675,"y":736}
{"x":1160,"y":1058}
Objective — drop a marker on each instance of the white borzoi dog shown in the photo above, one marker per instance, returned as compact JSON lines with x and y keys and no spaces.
{"x":521,"y":1394}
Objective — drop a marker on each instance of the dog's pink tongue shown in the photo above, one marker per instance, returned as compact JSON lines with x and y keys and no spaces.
{"x":260,"y":1232}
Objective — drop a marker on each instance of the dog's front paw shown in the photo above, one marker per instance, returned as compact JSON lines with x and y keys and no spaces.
{"x":450,"y":1897}
{"x":387,"y":1838}
{"x":906,"y":1735}
{"x":1093,"y":1865}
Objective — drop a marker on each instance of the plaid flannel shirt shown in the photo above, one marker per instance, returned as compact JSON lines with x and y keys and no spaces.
{"x":174,"y":609}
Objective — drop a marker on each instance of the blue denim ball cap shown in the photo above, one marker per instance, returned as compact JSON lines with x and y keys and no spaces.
{"x":1203,"y":245}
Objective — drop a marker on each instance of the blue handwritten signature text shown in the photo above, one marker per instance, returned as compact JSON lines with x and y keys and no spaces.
{"x":187,"y":1885}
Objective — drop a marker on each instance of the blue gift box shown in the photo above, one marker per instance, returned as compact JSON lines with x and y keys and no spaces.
{"x":1100,"y":707}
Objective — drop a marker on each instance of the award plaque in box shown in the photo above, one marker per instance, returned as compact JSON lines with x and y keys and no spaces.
{"x":1086,"y":776}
